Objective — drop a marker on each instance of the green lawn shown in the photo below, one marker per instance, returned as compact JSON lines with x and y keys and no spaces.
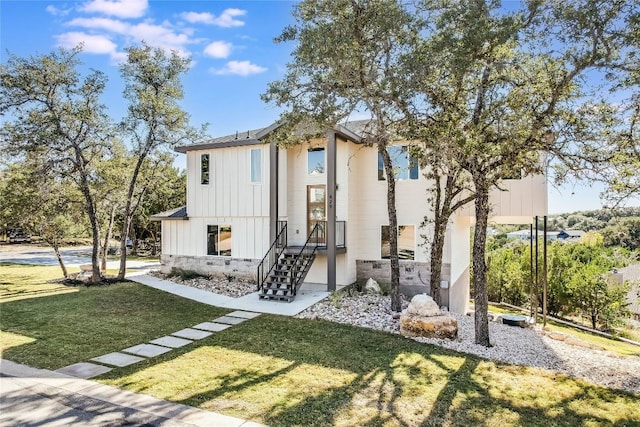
{"x":294,"y":372}
{"x":65,"y":325}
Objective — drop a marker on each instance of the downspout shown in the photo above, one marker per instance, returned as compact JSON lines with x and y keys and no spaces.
{"x":331,"y":210}
{"x":273,"y":191}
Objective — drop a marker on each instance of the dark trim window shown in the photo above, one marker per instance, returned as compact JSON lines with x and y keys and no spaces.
{"x":219,"y":240}
{"x":406,"y":242}
{"x":256,"y":166}
{"x":204,"y":169}
{"x":405,"y":166}
{"x":315,"y":161}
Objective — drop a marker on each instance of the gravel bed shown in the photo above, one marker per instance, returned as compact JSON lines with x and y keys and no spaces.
{"x":512,"y":345}
{"x":235,"y":288}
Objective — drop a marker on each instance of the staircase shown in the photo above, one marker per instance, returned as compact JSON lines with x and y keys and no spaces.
{"x":287,"y":275}
{"x":283,"y":269}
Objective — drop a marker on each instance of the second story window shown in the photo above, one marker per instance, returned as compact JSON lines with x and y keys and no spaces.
{"x":315,"y":161}
{"x":256,"y":166}
{"x":404,"y":165}
{"x":204,"y":169}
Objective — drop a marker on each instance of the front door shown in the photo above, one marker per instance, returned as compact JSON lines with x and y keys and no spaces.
{"x":316,"y":211}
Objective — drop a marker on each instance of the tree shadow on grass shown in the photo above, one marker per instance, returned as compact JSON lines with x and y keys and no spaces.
{"x":364,"y":377}
{"x":396,"y":381}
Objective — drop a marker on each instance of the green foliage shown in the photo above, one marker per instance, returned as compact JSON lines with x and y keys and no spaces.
{"x":577,"y":279}
{"x":623,"y":232}
{"x":155,"y":123}
{"x":348,"y":58}
{"x":602,"y":302}
{"x":57,"y":117}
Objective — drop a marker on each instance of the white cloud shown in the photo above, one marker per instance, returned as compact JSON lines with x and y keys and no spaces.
{"x":161,"y":36}
{"x":240,"y":68}
{"x":119,"y":8}
{"x":52,"y":10}
{"x":108,"y":24}
{"x":225,"y":20}
{"x":95,"y":44}
{"x":218,"y":49}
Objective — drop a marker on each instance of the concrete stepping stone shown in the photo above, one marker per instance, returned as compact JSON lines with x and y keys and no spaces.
{"x":84,"y":370}
{"x":192,"y":334}
{"x":147,"y":350}
{"x":244,"y":314}
{"x":211,"y":326}
{"x":118,"y":359}
{"x":229,"y":320}
{"x":169,"y":341}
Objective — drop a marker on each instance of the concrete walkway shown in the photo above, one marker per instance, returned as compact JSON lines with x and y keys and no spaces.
{"x":38,"y":397}
{"x":308,"y":295}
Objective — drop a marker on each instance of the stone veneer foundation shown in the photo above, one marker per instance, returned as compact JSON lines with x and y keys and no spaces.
{"x":414,"y":276}
{"x":244,"y":268}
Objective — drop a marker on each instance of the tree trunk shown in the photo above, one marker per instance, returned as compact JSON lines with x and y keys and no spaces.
{"x":396,"y":302}
{"x":107,"y":237}
{"x":56,"y":249}
{"x":95,"y":267}
{"x":93,"y":220}
{"x":437,"y":248}
{"x":128,"y":215}
{"x":481,"y":297}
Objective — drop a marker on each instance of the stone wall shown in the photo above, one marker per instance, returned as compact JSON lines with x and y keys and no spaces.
{"x":212,"y":265}
{"x":414,"y":276}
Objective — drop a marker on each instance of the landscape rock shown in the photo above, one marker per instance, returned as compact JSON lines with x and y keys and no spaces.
{"x":372,"y":287}
{"x":423,"y":318}
{"x":423,"y":305}
{"x":429,"y":327}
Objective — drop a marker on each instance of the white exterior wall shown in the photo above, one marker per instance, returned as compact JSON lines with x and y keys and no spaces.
{"x":361,"y":201}
{"x":298,"y":179}
{"x":229,"y":198}
{"x":518,"y":204}
{"x":248,"y":236}
{"x":458,"y":252}
{"x":369,"y":204}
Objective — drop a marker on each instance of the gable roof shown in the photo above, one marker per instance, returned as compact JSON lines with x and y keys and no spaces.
{"x":177,"y":213}
{"x":235,"y":140}
{"x":352,"y":131}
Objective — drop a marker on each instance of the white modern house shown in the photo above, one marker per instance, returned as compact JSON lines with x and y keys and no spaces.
{"x":317,"y":212}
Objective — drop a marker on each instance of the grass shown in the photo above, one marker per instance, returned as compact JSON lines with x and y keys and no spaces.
{"x":19,"y":281}
{"x":65,"y":325}
{"x":296,"y":372}
{"x":618,"y":347}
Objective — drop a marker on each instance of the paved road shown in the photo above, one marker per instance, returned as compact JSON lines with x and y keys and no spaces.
{"x":72,"y":256}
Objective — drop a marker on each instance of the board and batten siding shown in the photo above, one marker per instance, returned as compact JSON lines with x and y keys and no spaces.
{"x":230,"y":198}
{"x":368,"y":204}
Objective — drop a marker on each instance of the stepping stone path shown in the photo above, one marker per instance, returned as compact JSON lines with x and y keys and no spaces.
{"x":84,"y":370}
{"x":211,"y":326}
{"x":156,"y":347}
{"x":147,"y":350}
{"x":173,"y":342}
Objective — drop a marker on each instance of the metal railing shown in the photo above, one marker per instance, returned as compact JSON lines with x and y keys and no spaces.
{"x":273,"y":254}
{"x":341,"y":233}
{"x":305,"y":257}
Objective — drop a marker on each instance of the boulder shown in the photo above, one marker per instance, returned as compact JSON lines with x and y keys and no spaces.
{"x":430,"y":327}
{"x":423,"y":305}
{"x":423,"y":318}
{"x":372,"y":287}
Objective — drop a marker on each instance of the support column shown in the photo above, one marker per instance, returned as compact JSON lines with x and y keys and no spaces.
{"x":331,"y":211}
{"x":273,"y":191}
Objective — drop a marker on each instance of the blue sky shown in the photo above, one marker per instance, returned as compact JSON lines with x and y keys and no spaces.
{"x":230,"y":43}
